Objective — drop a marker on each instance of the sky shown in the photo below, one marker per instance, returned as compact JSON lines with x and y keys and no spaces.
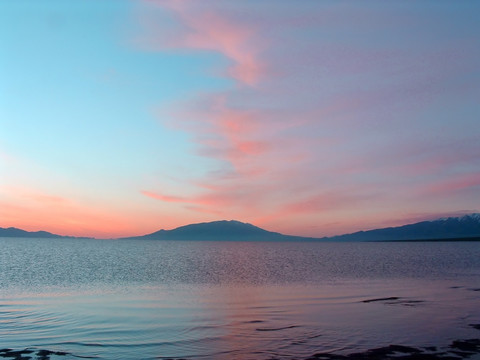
{"x":314,"y":118}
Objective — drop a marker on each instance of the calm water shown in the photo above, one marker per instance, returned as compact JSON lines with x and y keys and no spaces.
{"x":140,"y":299}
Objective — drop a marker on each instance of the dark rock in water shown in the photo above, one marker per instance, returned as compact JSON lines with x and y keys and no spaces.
{"x":48,"y":352}
{"x":39,"y":354}
{"x":277,"y":329}
{"x":412,"y":303}
{"x":13,"y":353}
{"x":45,"y":354}
{"x":471,"y":345}
{"x":462,"y":354}
{"x":16,"y":355}
{"x":394,"y":300}
{"x":381,"y":299}
{"x":402,"y":349}
{"x":475,"y":326}
{"x":385,"y":352}
{"x":459,"y":349}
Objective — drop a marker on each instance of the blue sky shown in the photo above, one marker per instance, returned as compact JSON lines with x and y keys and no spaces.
{"x":314,"y":118}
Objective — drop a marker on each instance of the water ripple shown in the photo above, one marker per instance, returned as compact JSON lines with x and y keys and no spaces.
{"x":148,"y":300}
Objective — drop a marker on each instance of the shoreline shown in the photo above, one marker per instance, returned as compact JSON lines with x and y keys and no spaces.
{"x":456,"y":350}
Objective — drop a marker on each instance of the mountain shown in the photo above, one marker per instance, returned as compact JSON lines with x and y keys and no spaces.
{"x":14,"y":232}
{"x":220,"y":230}
{"x":467,"y":226}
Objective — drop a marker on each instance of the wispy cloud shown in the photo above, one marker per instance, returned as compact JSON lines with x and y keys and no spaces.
{"x":450,"y":186}
{"x":204,"y":29}
{"x":165,"y":198}
{"x":334,"y":113}
{"x":326,"y":202}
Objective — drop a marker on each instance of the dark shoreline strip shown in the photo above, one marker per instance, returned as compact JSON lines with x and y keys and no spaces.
{"x":458,"y":349}
{"x":39,"y":354}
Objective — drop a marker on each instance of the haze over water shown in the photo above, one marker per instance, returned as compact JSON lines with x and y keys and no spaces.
{"x":141,"y":299}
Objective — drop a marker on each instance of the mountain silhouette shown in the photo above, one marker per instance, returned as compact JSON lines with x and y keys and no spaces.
{"x":14,"y":232}
{"x":220,"y":230}
{"x":467,"y":226}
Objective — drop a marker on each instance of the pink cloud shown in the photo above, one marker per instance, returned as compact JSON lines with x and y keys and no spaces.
{"x":331,"y":129}
{"x":327,"y":201}
{"x":453,"y":185}
{"x":166,"y":198}
{"x":252,"y":147}
{"x":201,"y":203}
{"x":240,"y":137}
{"x":433,"y":158}
{"x":204,"y":29}
{"x":223,"y":196}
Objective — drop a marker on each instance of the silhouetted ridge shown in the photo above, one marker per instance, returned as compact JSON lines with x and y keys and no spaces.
{"x":232,"y":228}
{"x":219,"y":230}
{"x":14,"y":232}
{"x":467,"y":226}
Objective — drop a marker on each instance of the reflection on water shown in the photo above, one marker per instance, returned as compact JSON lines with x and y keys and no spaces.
{"x":151,"y":299}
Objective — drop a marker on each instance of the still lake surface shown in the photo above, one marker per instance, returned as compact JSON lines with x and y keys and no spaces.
{"x":145,"y":299}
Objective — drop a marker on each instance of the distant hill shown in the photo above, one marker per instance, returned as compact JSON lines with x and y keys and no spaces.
{"x":14,"y":232}
{"x":467,"y":226}
{"x":220,"y":230}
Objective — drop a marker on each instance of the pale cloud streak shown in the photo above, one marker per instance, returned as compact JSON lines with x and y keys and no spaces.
{"x":204,"y":29}
{"x":454,"y":184}
{"x":165,"y":198}
{"x":332,"y":111}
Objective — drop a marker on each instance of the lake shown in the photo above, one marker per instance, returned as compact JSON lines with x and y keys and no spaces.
{"x":147,"y":299}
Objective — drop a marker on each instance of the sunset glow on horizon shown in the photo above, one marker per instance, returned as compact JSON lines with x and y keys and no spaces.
{"x":313,"y":118}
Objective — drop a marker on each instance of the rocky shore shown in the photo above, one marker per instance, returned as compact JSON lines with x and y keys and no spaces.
{"x":457,"y":350}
